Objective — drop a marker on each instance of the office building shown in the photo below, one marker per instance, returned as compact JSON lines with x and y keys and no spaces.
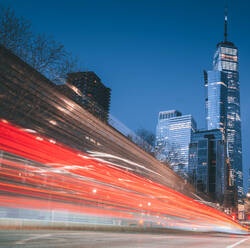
{"x":207,"y":163}
{"x":173,"y":135}
{"x":86,"y":89}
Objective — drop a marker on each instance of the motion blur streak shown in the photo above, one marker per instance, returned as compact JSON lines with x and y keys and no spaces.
{"x":45,"y":180}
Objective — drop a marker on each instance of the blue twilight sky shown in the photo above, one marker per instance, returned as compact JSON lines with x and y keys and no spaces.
{"x":150,"y":53}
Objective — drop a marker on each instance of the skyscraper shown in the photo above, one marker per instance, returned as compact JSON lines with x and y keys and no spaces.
{"x":173,"y":135}
{"x":225,"y":68}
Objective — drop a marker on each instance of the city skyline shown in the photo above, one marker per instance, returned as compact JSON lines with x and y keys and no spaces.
{"x":131,"y":80}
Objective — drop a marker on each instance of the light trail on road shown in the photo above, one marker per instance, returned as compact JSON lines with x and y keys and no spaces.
{"x":38,"y":173}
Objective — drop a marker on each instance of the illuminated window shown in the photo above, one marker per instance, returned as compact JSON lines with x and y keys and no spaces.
{"x":230,"y":51}
{"x":222,"y":83}
{"x":229,"y":65}
{"x":229,"y":57}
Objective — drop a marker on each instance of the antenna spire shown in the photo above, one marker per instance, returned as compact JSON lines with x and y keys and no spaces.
{"x":225,"y":34}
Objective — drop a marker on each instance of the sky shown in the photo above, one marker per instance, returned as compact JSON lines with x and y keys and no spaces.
{"x":150,"y":53}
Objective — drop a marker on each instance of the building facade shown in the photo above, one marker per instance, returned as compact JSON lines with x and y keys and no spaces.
{"x":86,"y":89}
{"x":216,"y":99}
{"x":207,"y":163}
{"x":173,"y":135}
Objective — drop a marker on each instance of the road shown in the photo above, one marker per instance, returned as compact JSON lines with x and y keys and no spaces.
{"x":90,"y":239}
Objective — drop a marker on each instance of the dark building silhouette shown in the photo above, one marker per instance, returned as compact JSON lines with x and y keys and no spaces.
{"x":87,"y":90}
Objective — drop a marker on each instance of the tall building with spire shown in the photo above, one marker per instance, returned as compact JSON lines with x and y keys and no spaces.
{"x":223,"y":104}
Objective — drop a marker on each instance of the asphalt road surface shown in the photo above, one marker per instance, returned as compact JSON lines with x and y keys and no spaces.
{"x":89,"y":239}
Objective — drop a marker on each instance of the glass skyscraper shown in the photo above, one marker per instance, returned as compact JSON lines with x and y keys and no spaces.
{"x":225,"y":73}
{"x":207,"y":163}
{"x":173,"y":135}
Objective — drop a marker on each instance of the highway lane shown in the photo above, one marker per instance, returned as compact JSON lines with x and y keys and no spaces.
{"x":90,"y":239}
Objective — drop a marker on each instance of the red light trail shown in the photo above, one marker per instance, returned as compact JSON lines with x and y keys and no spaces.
{"x":40,"y":174}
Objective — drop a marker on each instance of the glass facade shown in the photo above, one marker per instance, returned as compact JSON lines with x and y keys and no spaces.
{"x":216,"y":99}
{"x":226,"y":62}
{"x":207,"y":163}
{"x":173,"y":135}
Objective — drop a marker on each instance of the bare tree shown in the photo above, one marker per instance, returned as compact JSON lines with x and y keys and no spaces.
{"x":45,"y":53}
{"x":169,"y":154}
{"x":39,"y":50}
{"x":67,"y":65}
{"x":145,"y":139}
{"x":15,"y":33}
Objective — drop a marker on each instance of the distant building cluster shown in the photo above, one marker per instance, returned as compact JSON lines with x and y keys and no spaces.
{"x":211,"y":159}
